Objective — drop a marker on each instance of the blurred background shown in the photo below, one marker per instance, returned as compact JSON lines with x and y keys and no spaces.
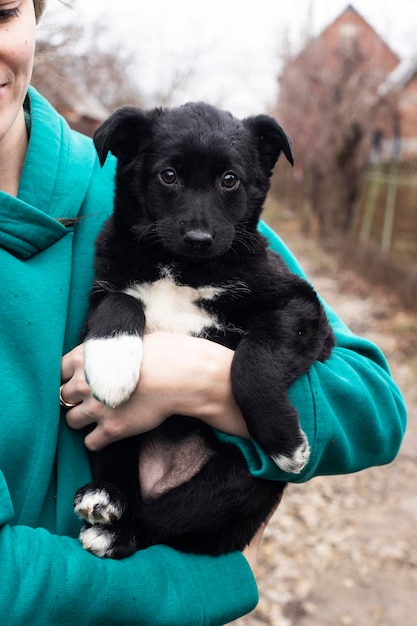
{"x":342,"y":80}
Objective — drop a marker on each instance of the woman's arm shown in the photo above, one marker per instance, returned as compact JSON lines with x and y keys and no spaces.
{"x":349,"y":407}
{"x":196,"y":384}
{"x":351,"y":411}
{"x":46,"y":579}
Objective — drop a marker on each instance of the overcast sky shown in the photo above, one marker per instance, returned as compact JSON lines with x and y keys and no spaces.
{"x":235,"y":44}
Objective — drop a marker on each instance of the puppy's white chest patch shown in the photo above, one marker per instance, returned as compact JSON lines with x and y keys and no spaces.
{"x":175,"y":308}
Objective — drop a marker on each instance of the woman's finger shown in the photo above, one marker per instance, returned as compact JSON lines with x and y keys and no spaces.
{"x":98,"y":438}
{"x":87,"y":412}
{"x":74,"y":388}
{"x":72,"y":362}
{"x":65,"y":403}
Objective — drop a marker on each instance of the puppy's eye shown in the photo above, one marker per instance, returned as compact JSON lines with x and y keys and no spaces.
{"x":230,"y":180}
{"x":168,"y":176}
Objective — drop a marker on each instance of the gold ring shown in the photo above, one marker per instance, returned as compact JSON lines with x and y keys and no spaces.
{"x":67,"y":405}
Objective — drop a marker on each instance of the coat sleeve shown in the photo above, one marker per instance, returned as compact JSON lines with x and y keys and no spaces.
{"x":350,"y":407}
{"x":48,"y":579}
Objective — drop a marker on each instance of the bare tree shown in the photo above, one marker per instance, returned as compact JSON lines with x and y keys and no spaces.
{"x":327,"y":103}
{"x":84,"y":59}
{"x":94,"y":59}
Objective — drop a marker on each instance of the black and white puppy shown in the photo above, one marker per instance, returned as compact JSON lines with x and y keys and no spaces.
{"x":182,"y":253}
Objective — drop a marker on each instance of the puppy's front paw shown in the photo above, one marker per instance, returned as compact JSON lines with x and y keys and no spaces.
{"x":112,"y":366}
{"x":294,"y":462}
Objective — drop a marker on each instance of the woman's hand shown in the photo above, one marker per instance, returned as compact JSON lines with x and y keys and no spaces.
{"x":179,"y":375}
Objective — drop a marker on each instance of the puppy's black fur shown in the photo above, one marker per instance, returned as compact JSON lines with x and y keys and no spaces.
{"x":182,"y":253}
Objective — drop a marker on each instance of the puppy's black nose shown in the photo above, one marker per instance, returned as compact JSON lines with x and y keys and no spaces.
{"x":198,"y":239}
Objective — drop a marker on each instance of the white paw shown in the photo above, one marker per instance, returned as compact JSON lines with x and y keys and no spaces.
{"x":96,"y":507}
{"x":294,"y":463}
{"x":98,"y":540}
{"x":112,"y":367}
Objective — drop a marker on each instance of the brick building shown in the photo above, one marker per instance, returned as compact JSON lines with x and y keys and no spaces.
{"x":350,"y":34}
{"x":82,"y":110}
{"x":392,"y":82}
{"x":397,"y":112}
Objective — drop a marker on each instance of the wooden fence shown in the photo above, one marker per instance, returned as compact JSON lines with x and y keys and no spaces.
{"x":386,"y":213}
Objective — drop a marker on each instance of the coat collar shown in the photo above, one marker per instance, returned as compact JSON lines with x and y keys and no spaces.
{"x":56,"y":174}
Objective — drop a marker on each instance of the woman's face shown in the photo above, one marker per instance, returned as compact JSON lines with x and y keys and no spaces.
{"x":17,"y":48}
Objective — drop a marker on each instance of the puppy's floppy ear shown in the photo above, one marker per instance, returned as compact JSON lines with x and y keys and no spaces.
{"x":121,"y":133}
{"x":271,"y":140}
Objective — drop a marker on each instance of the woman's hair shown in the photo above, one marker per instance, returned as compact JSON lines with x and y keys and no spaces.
{"x":39,"y":8}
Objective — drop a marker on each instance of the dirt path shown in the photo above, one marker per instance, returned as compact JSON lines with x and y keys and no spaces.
{"x":342,"y":551}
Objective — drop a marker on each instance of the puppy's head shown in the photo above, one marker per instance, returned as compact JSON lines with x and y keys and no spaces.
{"x":192,"y":179}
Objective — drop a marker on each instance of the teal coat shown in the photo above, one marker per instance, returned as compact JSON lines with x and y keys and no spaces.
{"x":349,"y":407}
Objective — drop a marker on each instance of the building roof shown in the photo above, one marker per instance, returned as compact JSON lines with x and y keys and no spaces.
{"x":64,"y":95}
{"x":399,"y":77}
{"x":351,"y":9}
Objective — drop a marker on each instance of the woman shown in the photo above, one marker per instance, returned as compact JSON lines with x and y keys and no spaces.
{"x":53,"y":201}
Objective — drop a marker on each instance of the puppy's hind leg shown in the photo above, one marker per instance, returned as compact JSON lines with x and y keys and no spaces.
{"x":107,"y":531}
{"x":112,"y":541}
